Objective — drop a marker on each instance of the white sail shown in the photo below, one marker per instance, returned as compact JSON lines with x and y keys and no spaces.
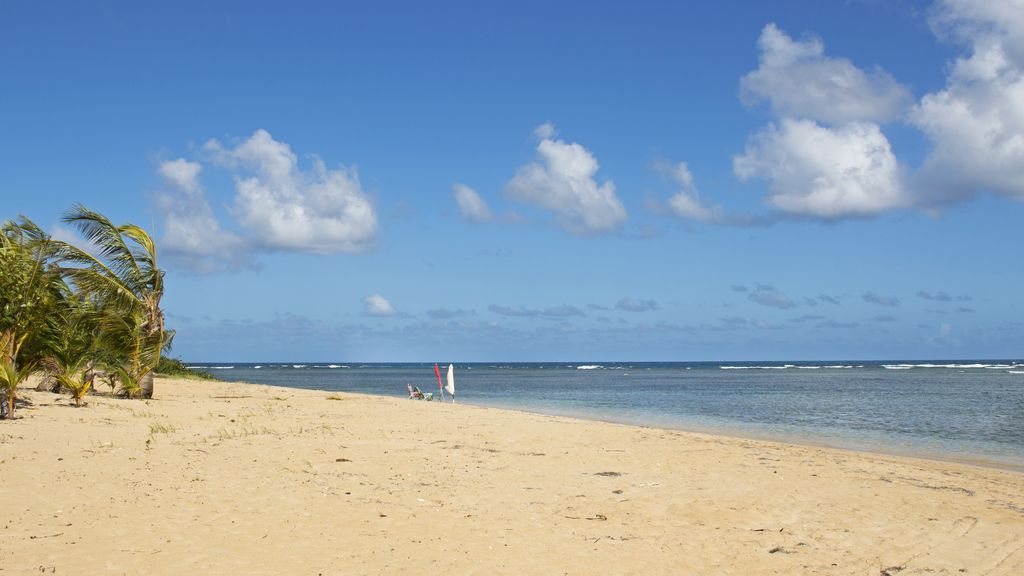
{"x":450,"y":387}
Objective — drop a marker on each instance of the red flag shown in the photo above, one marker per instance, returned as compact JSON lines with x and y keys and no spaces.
{"x":437,"y":372}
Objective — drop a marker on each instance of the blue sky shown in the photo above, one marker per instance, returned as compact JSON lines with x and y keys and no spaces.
{"x":461,"y":181}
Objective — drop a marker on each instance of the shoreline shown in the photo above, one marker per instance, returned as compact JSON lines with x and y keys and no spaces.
{"x":792,"y":440}
{"x":224,"y":478}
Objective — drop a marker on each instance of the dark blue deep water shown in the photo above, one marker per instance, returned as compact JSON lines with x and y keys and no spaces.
{"x":963,"y":410}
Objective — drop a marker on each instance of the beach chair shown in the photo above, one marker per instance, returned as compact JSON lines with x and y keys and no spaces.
{"x":416,"y":394}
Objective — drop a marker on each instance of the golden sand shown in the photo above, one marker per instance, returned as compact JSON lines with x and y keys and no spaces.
{"x":226,"y":478}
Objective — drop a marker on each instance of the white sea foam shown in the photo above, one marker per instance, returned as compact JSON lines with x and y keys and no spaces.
{"x":1015,"y":371}
{"x":589,"y":367}
{"x":298,"y":365}
{"x":973,"y":366}
{"x":257,"y":367}
{"x":218,"y":367}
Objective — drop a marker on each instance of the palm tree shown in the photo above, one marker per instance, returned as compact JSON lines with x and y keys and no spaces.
{"x":71,"y":343}
{"x":30,"y":285}
{"x":126,"y":283}
{"x":10,"y":374}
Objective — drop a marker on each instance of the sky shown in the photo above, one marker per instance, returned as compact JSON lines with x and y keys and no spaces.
{"x":540,"y":180}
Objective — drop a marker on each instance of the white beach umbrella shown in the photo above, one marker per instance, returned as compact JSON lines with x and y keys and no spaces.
{"x":450,"y":387}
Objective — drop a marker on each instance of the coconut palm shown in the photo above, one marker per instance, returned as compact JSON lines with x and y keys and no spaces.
{"x":30,"y":286}
{"x":124,"y":280}
{"x":10,"y":374}
{"x":71,"y":345}
{"x":73,"y":376}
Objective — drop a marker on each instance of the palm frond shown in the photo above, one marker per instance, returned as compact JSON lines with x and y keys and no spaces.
{"x":102,"y":233}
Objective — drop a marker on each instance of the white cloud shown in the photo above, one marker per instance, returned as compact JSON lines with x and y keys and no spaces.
{"x":321,"y":211}
{"x":545,"y":131}
{"x":562,"y":181}
{"x":798,"y":80}
{"x":377,"y":305}
{"x":182,"y":174}
{"x":686,"y":202}
{"x":191,"y":235}
{"x":823,"y":172}
{"x":976,"y":123}
{"x":471,"y":205}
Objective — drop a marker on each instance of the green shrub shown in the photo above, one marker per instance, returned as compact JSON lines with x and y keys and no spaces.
{"x":176,"y":368}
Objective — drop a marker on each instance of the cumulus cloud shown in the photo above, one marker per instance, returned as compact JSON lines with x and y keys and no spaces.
{"x":629,"y":304}
{"x":471,"y":205}
{"x":798,"y":80}
{"x":182,"y":174}
{"x":377,"y":305}
{"x":545,"y":131}
{"x":826,"y":157}
{"x":192,"y":236}
{"x":874,"y":298}
{"x":822,"y":172}
{"x":976,"y":123}
{"x":562,"y":182}
{"x":319,"y":211}
{"x":769,"y":296}
{"x":686,"y":202}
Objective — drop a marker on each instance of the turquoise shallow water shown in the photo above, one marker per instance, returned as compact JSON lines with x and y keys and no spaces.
{"x":964,"y":410}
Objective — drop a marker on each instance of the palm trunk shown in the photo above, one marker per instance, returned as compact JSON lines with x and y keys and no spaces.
{"x":147,"y":385}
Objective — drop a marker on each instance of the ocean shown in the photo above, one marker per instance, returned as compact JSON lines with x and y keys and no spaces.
{"x":969,"y":411}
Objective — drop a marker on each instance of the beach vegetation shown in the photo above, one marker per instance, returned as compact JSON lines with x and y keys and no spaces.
{"x":70,"y":341}
{"x":79,"y":313}
{"x":176,"y":368}
{"x":125,"y":280}
{"x":10,"y":377}
{"x":30,"y":287}
{"x":159,"y":428}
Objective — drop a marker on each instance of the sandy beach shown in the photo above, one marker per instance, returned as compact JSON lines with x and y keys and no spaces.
{"x":227,"y":478}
